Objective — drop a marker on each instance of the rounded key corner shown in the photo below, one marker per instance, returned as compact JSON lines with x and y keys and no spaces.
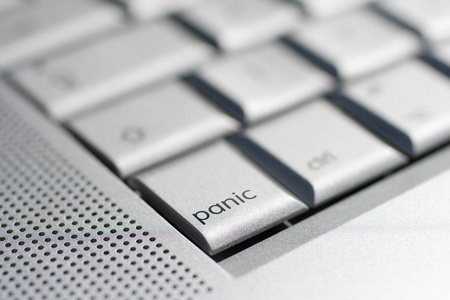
{"x":301,"y":189}
{"x":216,"y":97}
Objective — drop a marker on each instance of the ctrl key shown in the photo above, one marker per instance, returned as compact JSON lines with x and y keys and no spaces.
{"x":217,"y":197}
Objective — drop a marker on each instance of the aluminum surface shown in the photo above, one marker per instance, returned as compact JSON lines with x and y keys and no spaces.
{"x":152,"y":126}
{"x":68,"y":84}
{"x":430,"y":18}
{"x":72,"y":230}
{"x":347,"y":209}
{"x":442,"y":52}
{"x":263,"y":81}
{"x":316,"y":159}
{"x":329,"y":8}
{"x":7,"y":5}
{"x":146,"y":10}
{"x":398,"y":250}
{"x":407,"y":105}
{"x":356,"y":44}
{"x":38,"y":27}
{"x":217,"y":197}
{"x":237,"y":24}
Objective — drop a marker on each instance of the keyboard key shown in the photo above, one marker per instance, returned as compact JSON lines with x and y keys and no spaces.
{"x":327,"y":8}
{"x":430,"y":18}
{"x":318,"y":153}
{"x":152,"y":126}
{"x":73,"y":82}
{"x":6,"y":5}
{"x":35,"y":29}
{"x":356,"y":44}
{"x":217,"y":197}
{"x":151,"y":9}
{"x":441,"y":57}
{"x":408,"y":105}
{"x":237,"y":24}
{"x":261,"y":82}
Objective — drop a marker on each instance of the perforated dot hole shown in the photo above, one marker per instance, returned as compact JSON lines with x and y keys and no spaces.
{"x":63,"y":237}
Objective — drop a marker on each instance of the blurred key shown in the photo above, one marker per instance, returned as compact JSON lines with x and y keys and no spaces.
{"x":318,"y":153}
{"x":408,"y":105}
{"x":151,"y":126}
{"x":430,"y":18}
{"x":355,"y":44}
{"x":73,"y":82}
{"x":150,"y":9}
{"x":237,"y":24}
{"x":261,"y":82}
{"x":217,"y":197}
{"x":440,"y":57}
{"x":6,"y":5}
{"x":327,"y":8}
{"x":37,"y":28}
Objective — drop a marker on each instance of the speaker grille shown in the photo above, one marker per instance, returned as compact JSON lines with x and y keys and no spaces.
{"x":62,"y":237}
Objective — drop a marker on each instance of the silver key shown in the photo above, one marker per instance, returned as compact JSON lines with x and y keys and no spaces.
{"x":263,"y":81}
{"x":68,"y":84}
{"x":151,"y":126}
{"x":356,"y":44}
{"x":217,"y":197}
{"x":442,"y":53}
{"x":151,"y":9}
{"x":408,"y":105}
{"x":327,"y":8}
{"x":318,"y":153}
{"x":37,"y":28}
{"x":430,"y":18}
{"x":7,"y":5}
{"x":237,"y":24}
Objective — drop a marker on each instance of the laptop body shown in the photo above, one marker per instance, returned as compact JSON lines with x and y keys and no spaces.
{"x":71,"y":229}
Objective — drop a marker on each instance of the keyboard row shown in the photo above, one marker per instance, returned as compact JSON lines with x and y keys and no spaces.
{"x":157,"y":112}
{"x":221,"y":192}
{"x":351,"y":47}
{"x":31,"y":29}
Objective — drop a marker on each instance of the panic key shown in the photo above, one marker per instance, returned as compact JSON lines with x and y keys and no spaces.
{"x":217,"y":197}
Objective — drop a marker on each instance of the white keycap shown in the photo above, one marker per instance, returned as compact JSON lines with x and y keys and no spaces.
{"x":430,"y":18}
{"x":442,"y":54}
{"x":7,"y":5}
{"x":152,"y":126}
{"x":261,"y":82}
{"x":356,"y":44}
{"x":237,"y":24}
{"x":88,"y":76}
{"x":217,"y":197}
{"x":408,"y":105}
{"x":318,"y":153}
{"x":151,"y":9}
{"x":327,"y":8}
{"x":37,"y":28}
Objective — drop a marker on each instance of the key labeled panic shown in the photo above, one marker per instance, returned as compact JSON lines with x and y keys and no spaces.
{"x":223,"y":206}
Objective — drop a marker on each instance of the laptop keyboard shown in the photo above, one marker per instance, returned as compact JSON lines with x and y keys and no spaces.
{"x":30,"y":28}
{"x":73,"y":82}
{"x":232,"y":117}
{"x":152,"y":126}
{"x":355,"y":44}
{"x":411,"y":124}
